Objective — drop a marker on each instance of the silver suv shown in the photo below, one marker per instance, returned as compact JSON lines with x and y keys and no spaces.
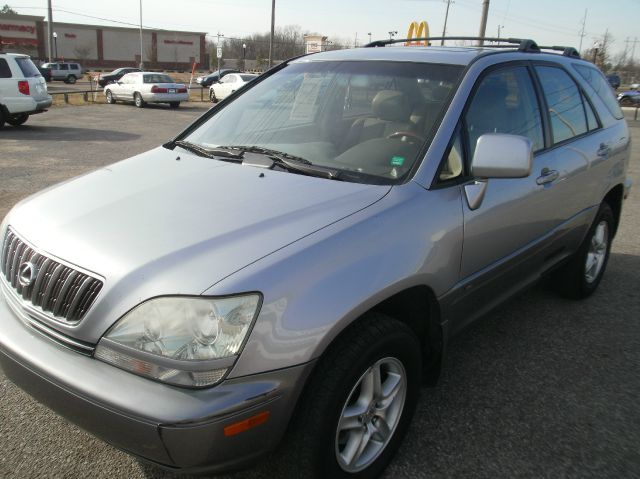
{"x":66,"y":72}
{"x":288,"y":270}
{"x":23,"y":90}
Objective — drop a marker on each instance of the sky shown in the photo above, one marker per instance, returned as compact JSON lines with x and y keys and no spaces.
{"x":549,"y":22}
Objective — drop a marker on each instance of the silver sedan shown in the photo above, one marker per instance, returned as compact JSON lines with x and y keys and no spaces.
{"x":147,"y":87}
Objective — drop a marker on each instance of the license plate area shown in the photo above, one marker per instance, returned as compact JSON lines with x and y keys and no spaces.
{"x":172,"y":90}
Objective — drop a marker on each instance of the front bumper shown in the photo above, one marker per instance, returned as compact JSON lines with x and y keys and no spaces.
{"x":173,"y":427}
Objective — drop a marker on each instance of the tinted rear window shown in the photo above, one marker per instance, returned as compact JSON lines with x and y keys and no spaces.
{"x":247,"y":77}
{"x":596,"y":79}
{"x":29,"y":70}
{"x":5,"y":71}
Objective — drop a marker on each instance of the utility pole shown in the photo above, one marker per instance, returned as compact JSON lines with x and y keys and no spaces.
{"x":446,"y":17}
{"x":50,"y":31}
{"x":273,"y":25}
{"x":582,"y":34}
{"x":500,"y":27}
{"x":141,"y":57}
{"x":355,"y":42}
{"x":483,"y":21}
{"x":392,"y":34}
{"x":633,"y":50}
{"x":369,"y":36}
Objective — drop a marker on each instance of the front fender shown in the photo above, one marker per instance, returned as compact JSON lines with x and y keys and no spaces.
{"x":316,"y":287}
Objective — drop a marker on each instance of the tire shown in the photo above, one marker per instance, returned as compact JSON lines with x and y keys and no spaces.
{"x":212,"y":96}
{"x":174,"y":104}
{"x":316,"y":443}
{"x":18,"y":120}
{"x":626,"y":101}
{"x":70,"y":79}
{"x":580,"y":277}
{"x":1,"y":119}
{"x":137,"y":99}
{"x":110,"y":99}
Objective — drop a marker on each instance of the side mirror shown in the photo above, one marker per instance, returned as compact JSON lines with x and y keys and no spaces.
{"x":499,"y":155}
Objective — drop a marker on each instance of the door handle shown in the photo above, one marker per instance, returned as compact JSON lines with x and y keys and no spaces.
{"x":604,"y":150}
{"x":547,"y":176}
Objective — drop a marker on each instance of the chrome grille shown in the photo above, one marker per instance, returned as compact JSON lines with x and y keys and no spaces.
{"x":61,"y":292}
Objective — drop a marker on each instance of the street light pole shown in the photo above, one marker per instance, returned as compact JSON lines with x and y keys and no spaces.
{"x":392,"y":34}
{"x":50,"y":31}
{"x":273,"y":25}
{"x":55,"y":42}
{"x":141,"y":57}
{"x":369,"y":36}
{"x":244,"y":56}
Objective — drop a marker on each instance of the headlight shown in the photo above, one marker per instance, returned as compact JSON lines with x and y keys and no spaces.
{"x":187,"y":341}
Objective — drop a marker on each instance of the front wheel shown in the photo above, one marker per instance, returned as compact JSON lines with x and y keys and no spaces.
{"x":580,"y":277}
{"x":212,"y":96}
{"x":18,"y":120}
{"x":137,"y":99}
{"x":70,"y":79}
{"x":357,"y":406}
{"x":110,"y":99}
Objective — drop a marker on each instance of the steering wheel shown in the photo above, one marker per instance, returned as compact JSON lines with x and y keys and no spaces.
{"x":407,"y":134}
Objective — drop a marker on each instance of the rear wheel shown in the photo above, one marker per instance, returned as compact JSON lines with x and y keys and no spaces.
{"x":357,"y":406}
{"x":174,"y":104}
{"x":626,"y":101}
{"x":580,"y":277}
{"x":70,"y":79}
{"x":110,"y":99}
{"x":18,"y":120}
{"x":137,"y":99}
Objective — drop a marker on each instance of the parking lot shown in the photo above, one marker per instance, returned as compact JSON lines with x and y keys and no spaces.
{"x":541,"y":387}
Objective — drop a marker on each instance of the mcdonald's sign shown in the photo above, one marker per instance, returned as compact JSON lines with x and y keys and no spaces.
{"x":418,"y":31}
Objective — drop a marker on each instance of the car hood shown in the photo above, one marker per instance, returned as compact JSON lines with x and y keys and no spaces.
{"x":169,"y":222}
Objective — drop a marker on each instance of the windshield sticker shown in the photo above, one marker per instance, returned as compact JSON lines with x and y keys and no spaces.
{"x":397,"y":161}
{"x":305,"y":100}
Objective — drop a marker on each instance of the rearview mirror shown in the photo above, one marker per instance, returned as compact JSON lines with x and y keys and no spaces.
{"x":499,"y":155}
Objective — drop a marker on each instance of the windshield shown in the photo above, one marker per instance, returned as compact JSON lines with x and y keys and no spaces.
{"x":157,"y":78}
{"x":364,"y":117}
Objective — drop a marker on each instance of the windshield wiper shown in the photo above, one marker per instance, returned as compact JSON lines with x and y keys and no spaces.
{"x":215,"y":153}
{"x":289,"y":162}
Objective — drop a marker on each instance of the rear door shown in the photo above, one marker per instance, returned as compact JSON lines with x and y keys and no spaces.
{"x":8,"y":87}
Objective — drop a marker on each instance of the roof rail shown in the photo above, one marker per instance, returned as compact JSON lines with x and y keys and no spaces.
{"x":566,"y":51}
{"x":524,"y":44}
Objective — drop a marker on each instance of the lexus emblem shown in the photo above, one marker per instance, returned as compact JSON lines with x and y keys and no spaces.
{"x":27,"y":273}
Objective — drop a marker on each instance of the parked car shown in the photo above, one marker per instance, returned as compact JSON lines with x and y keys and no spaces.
{"x":147,"y":87}
{"x":67,"y":72}
{"x":23,"y":90}
{"x":629,"y":98}
{"x":208,"y":80}
{"x":115,"y":75}
{"x":634,"y":86}
{"x":293,"y":264}
{"x":614,"y":81}
{"x":229,"y":84}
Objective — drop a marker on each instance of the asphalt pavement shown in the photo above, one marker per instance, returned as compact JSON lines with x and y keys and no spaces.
{"x":541,"y":387}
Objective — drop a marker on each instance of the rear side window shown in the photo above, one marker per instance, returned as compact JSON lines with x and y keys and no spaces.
{"x":5,"y":71}
{"x":592,"y":121}
{"x":74,"y":66}
{"x":29,"y":70}
{"x":64,"y":66}
{"x":505,"y":102}
{"x":568,"y":118}
{"x":599,"y":83}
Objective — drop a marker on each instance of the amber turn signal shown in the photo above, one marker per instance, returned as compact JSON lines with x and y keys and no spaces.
{"x":245,"y":425}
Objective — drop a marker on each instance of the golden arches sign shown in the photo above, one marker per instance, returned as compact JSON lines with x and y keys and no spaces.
{"x":418,"y":31}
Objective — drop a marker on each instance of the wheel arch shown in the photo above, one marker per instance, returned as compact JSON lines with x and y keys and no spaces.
{"x":417,"y":307}
{"x":614,"y":199}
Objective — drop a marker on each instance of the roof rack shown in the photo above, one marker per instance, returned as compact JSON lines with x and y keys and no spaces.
{"x":524,"y":44}
{"x":566,"y":51}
